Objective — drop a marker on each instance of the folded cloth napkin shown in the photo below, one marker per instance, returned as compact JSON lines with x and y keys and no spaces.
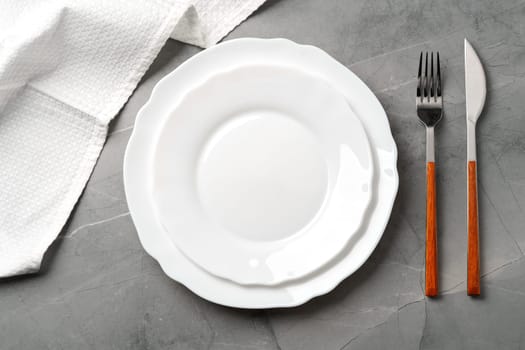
{"x":66,"y":69}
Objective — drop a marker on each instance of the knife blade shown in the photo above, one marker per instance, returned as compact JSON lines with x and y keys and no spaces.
{"x":475,"y":94}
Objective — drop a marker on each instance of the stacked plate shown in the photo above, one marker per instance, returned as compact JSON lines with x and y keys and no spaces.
{"x":261,"y":173}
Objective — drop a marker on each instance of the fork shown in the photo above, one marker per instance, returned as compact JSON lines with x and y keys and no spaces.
{"x":429,"y":105}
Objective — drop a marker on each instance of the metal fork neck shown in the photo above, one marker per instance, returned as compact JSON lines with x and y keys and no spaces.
{"x":430,"y":144}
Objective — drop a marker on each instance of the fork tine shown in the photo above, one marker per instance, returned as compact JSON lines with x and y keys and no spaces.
{"x":432,"y":74}
{"x":425,"y":87}
{"x":438,"y":82}
{"x":419,"y":75}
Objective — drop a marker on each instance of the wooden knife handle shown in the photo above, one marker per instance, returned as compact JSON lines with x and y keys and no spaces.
{"x":473,"y":284}
{"x":431,"y":268}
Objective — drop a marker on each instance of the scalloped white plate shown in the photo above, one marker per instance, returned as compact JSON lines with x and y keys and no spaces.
{"x":262,"y":174}
{"x":138,"y":171}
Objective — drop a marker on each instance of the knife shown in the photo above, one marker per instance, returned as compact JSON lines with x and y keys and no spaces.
{"x":475,"y":93}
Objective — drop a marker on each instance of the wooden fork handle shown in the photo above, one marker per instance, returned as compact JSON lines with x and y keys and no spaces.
{"x":431,"y":261}
{"x":473,"y":283}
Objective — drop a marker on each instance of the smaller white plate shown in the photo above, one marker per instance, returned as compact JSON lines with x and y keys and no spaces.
{"x":262,"y":174}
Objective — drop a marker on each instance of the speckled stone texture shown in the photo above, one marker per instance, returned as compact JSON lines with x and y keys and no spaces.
{"x":100,"y":290}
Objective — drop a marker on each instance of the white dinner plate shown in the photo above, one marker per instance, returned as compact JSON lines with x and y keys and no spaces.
{"x":262,"y":174}
{"x":138,"y":169}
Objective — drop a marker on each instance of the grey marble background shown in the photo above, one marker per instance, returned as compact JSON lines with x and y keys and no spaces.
{"x":99,"y":290}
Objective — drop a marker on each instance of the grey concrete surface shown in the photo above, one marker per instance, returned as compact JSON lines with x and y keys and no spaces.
{"x":99,"y":290}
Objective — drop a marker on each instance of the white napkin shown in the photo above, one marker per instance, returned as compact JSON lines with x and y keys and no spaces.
{"x":66,"y":69}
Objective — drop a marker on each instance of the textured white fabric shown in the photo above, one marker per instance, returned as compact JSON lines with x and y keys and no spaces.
{"x":208,"y":21}
{"x":66,"y":69}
